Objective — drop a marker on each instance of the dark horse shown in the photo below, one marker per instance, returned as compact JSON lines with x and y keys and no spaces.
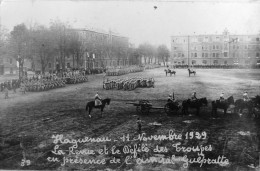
{"x":91,"y":105}
{"x":191,"y":72}
{"x":240,"y":104}
{"x":170,"y":72}
{"x":197,"y":104}
{"x":217,"y":104}
{"x":256,"y":101}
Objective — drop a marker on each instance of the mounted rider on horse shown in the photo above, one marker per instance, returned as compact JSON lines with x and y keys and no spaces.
{"x":98,"y":101}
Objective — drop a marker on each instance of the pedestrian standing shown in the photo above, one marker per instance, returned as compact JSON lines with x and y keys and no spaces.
{"x":139,"y":125}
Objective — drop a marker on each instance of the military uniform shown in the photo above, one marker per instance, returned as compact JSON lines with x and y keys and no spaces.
{"x":97,"y":100}
{"x":193,"y":96}
{"x":245,"y":97}
{"x":221,"y":98}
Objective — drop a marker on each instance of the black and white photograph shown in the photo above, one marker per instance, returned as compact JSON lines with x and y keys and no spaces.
{"x":127,"y":85}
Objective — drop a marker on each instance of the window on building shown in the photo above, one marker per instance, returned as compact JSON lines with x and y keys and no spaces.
{"x":179,"y":54}
{"x":202,"y":47}
{"x":49,"y":65}
{"x":11,"y":60}
{"x":217,"y":55}
{"x":257,"y":55}
{"x":225,"y":54}
{"x":182,"y":55}
{"x":204,"y":61}
{"x":193,"y":62}
{"x":213,"y":55}
{"x":217,"y":39}
{"x":215,"y":62}
{"x":195,"y":54}
{"x":68,"y":65}
{"x":175,"y":55}
{"x":206,"y":55}
{"x":172,"y":40}
{"x":257,"y":39}
{"x":202,"y":54}
{"x":217,"y":47}
{"x":225,"y":62}
{"x":213,"y":46}
{"x":175,"y":48}
{"x":191,"y":54}
{"x":225,"y":46}
{"x":195,"y":47}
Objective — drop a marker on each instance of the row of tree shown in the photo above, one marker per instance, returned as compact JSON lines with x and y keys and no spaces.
{"x":41,"y":44}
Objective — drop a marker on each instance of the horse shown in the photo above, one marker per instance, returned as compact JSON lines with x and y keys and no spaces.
{"x":240,"y":104}
{"x":222,"y":105}
{"x":91,"y":105}
{"x":170,"y":72}
{"x":256,"y":101}
{"x":166,"y":72}
{"x":191,"y":72}
{"x":197,"y":104}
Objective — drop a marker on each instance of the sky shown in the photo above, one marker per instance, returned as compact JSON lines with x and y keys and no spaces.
{"x":139,"y":20}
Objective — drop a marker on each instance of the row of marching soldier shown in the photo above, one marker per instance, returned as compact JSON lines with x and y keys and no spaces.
{"x":128,"y":84}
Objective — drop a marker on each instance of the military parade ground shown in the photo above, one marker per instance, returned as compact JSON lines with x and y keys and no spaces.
{"x":28,"y":121}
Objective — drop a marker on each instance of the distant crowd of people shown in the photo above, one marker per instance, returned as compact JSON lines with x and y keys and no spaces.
{"x":123,"y":70}
{"x":219,"y":66}
{"x":43,"y":82}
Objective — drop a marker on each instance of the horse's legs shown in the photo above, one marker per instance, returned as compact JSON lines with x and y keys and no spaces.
{"x":89,"y":110}
{"x":213,"y":112}
{"x":225,"y":112}
{"x":198,"y":111}
{"x":183,"y":111}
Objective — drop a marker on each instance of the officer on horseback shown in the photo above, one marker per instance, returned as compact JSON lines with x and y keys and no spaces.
{"x":193,"y":96}
{"x":245,"y":96}
{"x":171,"y":99}
{"x":97,"y":100}
{"x":221,"y":98}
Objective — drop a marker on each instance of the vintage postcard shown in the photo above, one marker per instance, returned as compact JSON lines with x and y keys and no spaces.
{"x":130,"y":85}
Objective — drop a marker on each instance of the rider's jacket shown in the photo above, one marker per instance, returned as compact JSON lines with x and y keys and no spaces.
{"x":221,"y":97}
{"x":97,"y":97}
{"x":245,"y":97}
{"x":193,"y":96}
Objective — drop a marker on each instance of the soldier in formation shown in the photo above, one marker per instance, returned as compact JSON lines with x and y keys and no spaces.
{"x":42,"y":85}
{"x":128,"y":84}
{"x":123,"y":71}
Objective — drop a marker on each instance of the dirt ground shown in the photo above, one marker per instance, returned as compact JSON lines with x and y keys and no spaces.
{"x":29,"y":121}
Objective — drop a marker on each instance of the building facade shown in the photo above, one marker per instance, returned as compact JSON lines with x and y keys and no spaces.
{"x":99,"y":50}
{"x":8,"y":65}
{"x":104,"y":49}
{"x":219,"y":49}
